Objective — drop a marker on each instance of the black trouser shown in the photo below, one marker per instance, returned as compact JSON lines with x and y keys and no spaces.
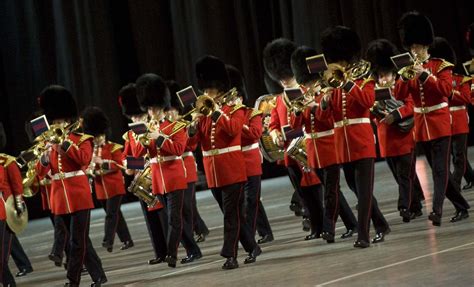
{"x":335,"y":202}
{"x":403,"y":171}
{"x":22,"y":261}
{"x":61,"y":237}
{"x":459,"y":152}
{"x":360,"y":178}
{"x":263,"y":224}
{"x":253,"y":204}
{"x":418,"y":195}
{"x":437,"y":154}
{"x":231,"y":200}
{"x":6,"y":276}
{"x":174,"y":204}
{"x":155,"y":223}
{"x":81,"y":251}
{"x":188,"y":209}
{"x":294,"y":173}
{"x":114,"y":221}
{"x":469,"y":174}
{"x":199,"y":226}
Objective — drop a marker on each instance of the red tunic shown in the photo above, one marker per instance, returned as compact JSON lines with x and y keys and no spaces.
{"x":10,"y":181}
{"x":280,"y":117}
{"x":72,"y":193}
{"x":353,"y":133}
{"x":109,"y":180}
{"x":223,"y":159}
{"x":190,"y":162}
{"x":457,"y":104}
{"x":45,"y":190}
{"x":432,"y":117}
{"x":251,"y":133}
{"x":167,"y":165}
{"x":392,"y":141}
{"x":319,"y":133}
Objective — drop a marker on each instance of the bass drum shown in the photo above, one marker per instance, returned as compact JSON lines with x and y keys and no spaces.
{"x":270,"y":151}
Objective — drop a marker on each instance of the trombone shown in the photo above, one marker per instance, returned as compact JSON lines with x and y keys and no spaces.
{"x":408,"y":72}
{"x":337,"y":77}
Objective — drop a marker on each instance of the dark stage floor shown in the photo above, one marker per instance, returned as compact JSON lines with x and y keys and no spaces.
{"x":414,"y":254}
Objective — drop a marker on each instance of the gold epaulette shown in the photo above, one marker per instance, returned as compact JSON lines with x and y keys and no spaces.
{"x":115,"y":147}
{"x":83,"y":138}
{"x":178,"y":125}
{"x":444,"y":64}
{"x":236,"y":108}
{"x":366,"y":81}
{"x":466,"y":79}
{"x":6,"y":160}
{"x":255,"y":112}
{"x":125,"y":136}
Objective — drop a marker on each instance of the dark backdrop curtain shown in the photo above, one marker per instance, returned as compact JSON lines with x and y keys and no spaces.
{"x":93,"y":47}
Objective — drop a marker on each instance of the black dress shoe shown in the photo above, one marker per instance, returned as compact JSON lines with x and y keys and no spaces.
{"x":84,"y":271}
{"x":58,"y":261}
{"x":108,"y":246}
{"x":70,"y":284}
{"x":98,"y":283}
{"x":306,"y":224}
{"x":435,"y":218}
{"x":171,"y":261}
{"x":156,"y":260}
{"x":348,"y":233}
{"x":23,"y":272}
{"x":416,"y":213}
{"x":328,"y":237}
{"x":312,"y":236}
{"x":253,"y":255}
{"x":468,"y":186}
{"x":460,"y":215}
{"x":361,"y":244}
{"x":405,"y":214}
{"x":265,"y":239}
{"x":127,"y":245}
{"x":190,"y":258}
{"x":230,"y":263}
{"x":202,"y":237}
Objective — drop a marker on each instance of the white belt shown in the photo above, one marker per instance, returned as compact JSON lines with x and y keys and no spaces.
{"x":186,"y":154}
{"x":425,"y":110}
{"x":319,"y":135}
{"x":457,"y":108}
{"x":64,"y":175}
{"x":165,"y":158}
{"x":348,"y":122}
{"x":250,"y":147}
{"x":220,"y":150}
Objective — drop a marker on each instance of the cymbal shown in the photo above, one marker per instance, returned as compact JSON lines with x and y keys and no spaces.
{"x":16,"y":223}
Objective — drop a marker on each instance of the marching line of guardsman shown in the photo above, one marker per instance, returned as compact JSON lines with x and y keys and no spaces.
{"x":316,"y":120}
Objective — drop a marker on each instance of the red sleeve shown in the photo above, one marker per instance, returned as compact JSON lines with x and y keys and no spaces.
{"x":117,"y":159}
{"x":175,"y":145}
{"x":364,"y":96}
{"x":191,"y":144}
{"x":42,"y":170}
{"x":126,"y":150}
{"x":296,"y":121}
{"x":407,"y":109}
{"x":232,"y":124}
{"x":274,"y":117}
{"x":402,"y":89}
{"x":442,"y":83}
{"x":81,"y":154}
{"x":15,"y":179}
{"x":461,"y":95}
{"x":255,"y":128}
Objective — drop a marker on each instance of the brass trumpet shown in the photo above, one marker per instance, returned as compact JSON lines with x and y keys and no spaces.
{"x":339,"y":75}
{"x":408,"y":72}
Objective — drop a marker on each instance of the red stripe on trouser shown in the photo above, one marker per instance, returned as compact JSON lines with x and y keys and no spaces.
{"x":336,"y":207}
{"x":236,"y":242}
{"x":180,"y":221}
{"x":116,"y":219}
{"x":371,"y":194}
{"x":257,"y":198}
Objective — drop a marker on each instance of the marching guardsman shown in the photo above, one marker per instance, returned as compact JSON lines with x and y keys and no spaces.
{"x":277,"y":63}
{"x":105,"y":171}
{"x":251,"y":133}
{"x":320,"y":146}
{"x":396,"y":142}
{"x":71,"y":198}
{"x":165,"y":147}
{"x":469,"y":174}
{"x":219,"y":134}
{"x":10,"y":185}
{"x":155,"y":217}
{"x":190,"y":212}
{"x":429,"y":81}
{"x":349,"y":105}
{"x":459,"y":98}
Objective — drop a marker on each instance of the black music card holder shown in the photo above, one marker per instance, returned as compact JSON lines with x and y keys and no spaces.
{"x":402,"y":60}
{"x":383,"y":94}
{"x":293,"y":94}
{"x":138,"y":128}
{"x":316,"y":64}
{"x":187,"y":97}
{"x":288,"y":133}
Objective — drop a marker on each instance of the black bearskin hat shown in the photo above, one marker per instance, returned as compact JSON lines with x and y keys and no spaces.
{"x":415,"y":28}
{"x":237,"y":81}
{"x":57,"y":102}
{"x":128,"y":100}
{"x":152,"y":92}
{"x":273,"y":87}
{"x":340,"y":43}
{"x":95,"y":121}
{"x":299,"y":66}
{"x":277,"y":59}
{"x":378,"y":54}
{"x":211,"y":74}
{"x":3,"y":137}
{"x":174,"y":87}
{"x":442,"y":49}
